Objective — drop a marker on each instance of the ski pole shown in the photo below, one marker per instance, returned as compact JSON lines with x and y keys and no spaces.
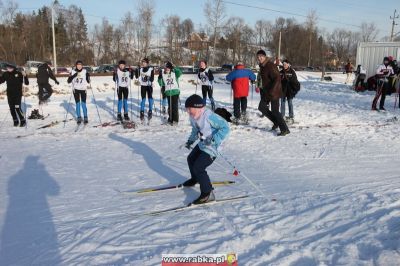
{"x":252,"y":93}
{"x":94,"y":99}
{"x":69,"y":103}
{"x":236,"y":172}
{"x":138,"y":97}
{"x":26,"y":110}
{"x":130,"y":92}
{"x":115,"y":91}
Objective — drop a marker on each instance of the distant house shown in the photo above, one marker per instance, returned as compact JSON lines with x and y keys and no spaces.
{"x":197,"y":41}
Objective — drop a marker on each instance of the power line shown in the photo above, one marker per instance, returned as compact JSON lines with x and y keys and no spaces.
{"x":290,"y":13}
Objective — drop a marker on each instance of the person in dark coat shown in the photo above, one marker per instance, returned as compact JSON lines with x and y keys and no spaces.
{"x":14,"y":80}
{"x":43,"y":75}
{"x":271,"y":92}
{"x":290,"y":87}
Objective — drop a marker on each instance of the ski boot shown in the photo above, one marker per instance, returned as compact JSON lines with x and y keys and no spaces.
{"x":204,"y":198}
{"x":16,"y":123}
{"x":149,"y":114}
{"x":119,"y":117}
{"x":126,"y":117}
{"x":85,"y":120}
{"x":23,"y":123}
{"x":142,"y":116}
{"x":283,"y":133}
{"x":79,"y":120}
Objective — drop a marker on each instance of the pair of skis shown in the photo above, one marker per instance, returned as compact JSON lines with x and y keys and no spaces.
{"x":184,"y":206}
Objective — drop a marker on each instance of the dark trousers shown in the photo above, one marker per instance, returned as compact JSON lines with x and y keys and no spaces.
{"x":123,"y":92}
{"x":148,"y":90}
{"x":208,"y":90}
{"x":381,"y":89}
{"x":15,"y":108}
{"x":198,"y":161}
{"x":80,"y":96}
{"x":45,"y":91}
{"x":274,"y":115}
{"x":239,"y":106}
{"x":173,"y":108}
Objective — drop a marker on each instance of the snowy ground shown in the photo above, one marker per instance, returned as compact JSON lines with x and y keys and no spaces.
{"x":335,"y":178}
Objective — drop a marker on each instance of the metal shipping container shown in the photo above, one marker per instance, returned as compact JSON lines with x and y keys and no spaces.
{"x":371,"y":54}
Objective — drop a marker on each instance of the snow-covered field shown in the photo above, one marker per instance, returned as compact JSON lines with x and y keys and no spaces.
{"x":335,"y":178}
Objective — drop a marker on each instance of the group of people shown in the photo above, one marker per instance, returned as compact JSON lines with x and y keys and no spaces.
{"x":384,"y":81}
{"x":275,"y":82}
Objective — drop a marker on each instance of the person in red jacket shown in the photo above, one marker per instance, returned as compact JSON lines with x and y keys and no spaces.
{"x":239,"y":79}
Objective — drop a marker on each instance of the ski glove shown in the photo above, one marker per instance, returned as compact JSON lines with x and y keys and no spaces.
{"x":207,"y":141}
{"x":188,"y":144}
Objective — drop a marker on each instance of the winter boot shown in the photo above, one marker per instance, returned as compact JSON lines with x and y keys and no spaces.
{"x":79,"y":120}
{"x":244,"y":118}
{"x":189,"y":183}
{"x":126,"y":117}
{"x":141,"y":115}
{"x":119,"y":117}
{"x":16,"y":123}
{"x":149,"y":114}
{"x":85,"y":120}
{"x":204,"y":198}
{"x":23,"y":123}
{"x":283,"y":133}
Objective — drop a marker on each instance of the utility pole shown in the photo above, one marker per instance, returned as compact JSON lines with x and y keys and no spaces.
{"x":54,"y":39}
{"x":393,"y":24}
{"x":279,"y":45}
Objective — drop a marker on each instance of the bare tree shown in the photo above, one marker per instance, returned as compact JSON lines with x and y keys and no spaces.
{"x":172,"y":24}
{"x":368,"y":32}
{"x":214,"y":11}
{"x":145,"y":18}
{"x":310,"y":25}
{"x":263,"y":31}
{"x":341,"y":42}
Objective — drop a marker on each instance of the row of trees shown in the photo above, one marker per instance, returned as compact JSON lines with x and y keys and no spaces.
{"x":222,"y":40}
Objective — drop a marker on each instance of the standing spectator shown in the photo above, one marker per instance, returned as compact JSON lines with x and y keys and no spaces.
{"x":361,"y":74}
{"x":271,"y":91}
{"x":240,"y":78}
{"x":348,"y":68}
{"x":14,"y":80}
{"x":43,"y":75}
{"x":145,"y":74}
{"x":383,"y":73}
{"x":80,"y":80}
{"x":290,"y":87}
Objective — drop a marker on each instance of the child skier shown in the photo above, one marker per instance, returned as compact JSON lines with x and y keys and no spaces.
{"x":145,"y":74}
{"x":14,"y":79}
{"x":239,"y":79}
{"x":206,"y":79}
{"x":169,"y":77}
{"x":212,"y":130}
{"x":122,"y":76}
{"x":80,"y":79}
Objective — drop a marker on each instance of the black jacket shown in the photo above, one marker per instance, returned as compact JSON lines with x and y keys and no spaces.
{"x":290,"y":84}
{"x":44,"y":73}
{"x":14,"y":83}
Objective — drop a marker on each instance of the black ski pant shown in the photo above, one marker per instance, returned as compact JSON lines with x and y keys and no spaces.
{"x":123,"y":92}
{"x":198,"y":161}
{"x":239,"y":106}
{"x":148,"y":90}
{"x":173,"y":108}
{"x":274,"y":115}
{"x":45,"y":91}
{"x":15,"y":108}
